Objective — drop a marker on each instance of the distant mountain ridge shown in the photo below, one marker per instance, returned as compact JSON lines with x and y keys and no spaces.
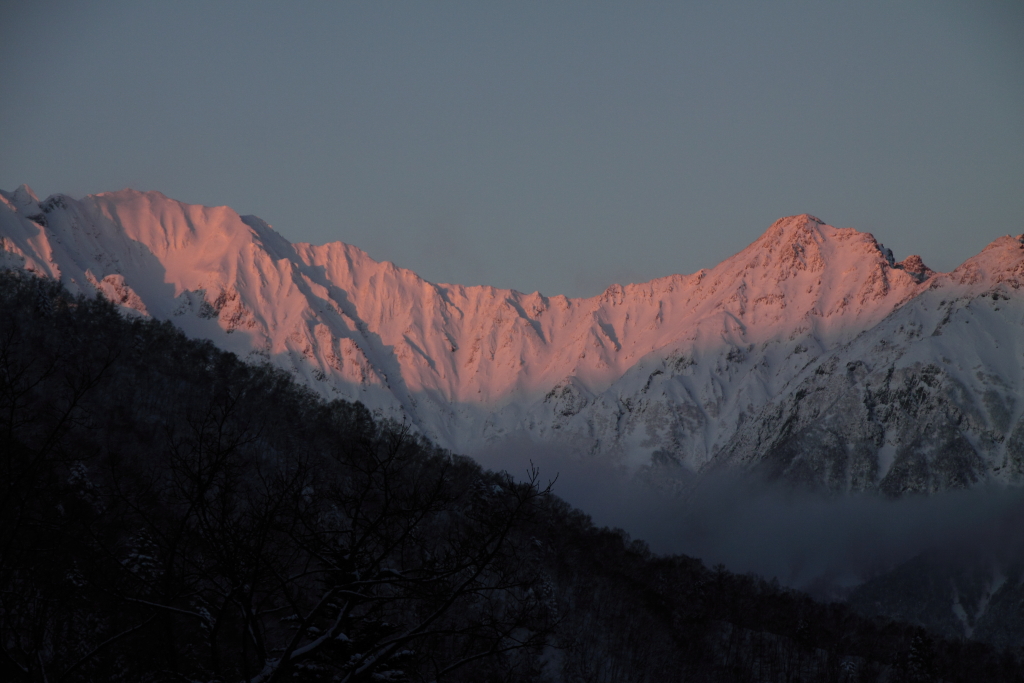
{"x":812,"y":355}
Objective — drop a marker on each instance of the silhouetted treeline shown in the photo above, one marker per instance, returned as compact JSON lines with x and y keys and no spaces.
{"x":170,"y":513}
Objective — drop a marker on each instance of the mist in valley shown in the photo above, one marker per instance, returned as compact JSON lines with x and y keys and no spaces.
{"x":820,"y":543}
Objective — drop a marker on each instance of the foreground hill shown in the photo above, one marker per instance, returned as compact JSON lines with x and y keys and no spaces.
{"x":169,"y":512}
{"x":811,"y":355}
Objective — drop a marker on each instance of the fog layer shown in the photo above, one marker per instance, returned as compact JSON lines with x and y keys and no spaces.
{"x":804,"y":539}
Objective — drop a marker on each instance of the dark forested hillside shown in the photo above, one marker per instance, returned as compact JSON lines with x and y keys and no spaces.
{"x":169,"y":513}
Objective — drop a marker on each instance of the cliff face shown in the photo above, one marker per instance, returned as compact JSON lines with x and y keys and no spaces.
{"x":811,"y":355}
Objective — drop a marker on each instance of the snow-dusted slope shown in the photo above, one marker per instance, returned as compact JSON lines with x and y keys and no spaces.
{"x":928,"y":399}
{"x":714,"y":368}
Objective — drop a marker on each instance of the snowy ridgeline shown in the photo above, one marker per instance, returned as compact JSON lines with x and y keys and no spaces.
{"x":811,"y":355}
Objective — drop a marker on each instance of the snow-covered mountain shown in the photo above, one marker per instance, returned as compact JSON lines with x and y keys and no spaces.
{"x":812,"y":354}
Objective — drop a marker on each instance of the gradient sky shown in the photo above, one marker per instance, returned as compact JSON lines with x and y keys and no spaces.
{"x":556,"y":146}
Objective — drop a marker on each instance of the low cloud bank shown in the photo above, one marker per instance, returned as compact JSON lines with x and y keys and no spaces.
{"x":806,"y":540}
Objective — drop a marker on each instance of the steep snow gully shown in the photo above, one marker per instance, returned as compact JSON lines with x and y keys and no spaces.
{"x":811,"y":355}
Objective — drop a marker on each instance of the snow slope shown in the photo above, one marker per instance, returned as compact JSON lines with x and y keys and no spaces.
{"x":811,"y":354}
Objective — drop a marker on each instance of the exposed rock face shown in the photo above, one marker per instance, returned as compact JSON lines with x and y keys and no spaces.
{"x":810,"y":355}
{"x":916,"y":268}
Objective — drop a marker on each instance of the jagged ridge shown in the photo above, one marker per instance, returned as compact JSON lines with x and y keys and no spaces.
{"x":705,"y":370}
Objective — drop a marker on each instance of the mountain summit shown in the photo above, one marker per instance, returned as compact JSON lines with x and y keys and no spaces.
{"x":676,"y":375}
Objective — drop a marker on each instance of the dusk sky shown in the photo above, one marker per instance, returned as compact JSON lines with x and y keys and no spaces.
{"x":550,"y":146}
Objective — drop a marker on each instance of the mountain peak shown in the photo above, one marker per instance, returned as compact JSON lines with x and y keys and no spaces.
{"x":1001,"y":261}
{"x":800,"y":219}
{"x":789,"y":229}
{"x":915,"y":267}
{"x":24,"y":197}
{"x":805,"y":243}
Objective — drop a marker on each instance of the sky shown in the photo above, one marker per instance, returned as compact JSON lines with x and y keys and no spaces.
{"x":551,"y":146}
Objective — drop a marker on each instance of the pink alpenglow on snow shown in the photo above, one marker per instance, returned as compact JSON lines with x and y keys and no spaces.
{"x":470,"y":366}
